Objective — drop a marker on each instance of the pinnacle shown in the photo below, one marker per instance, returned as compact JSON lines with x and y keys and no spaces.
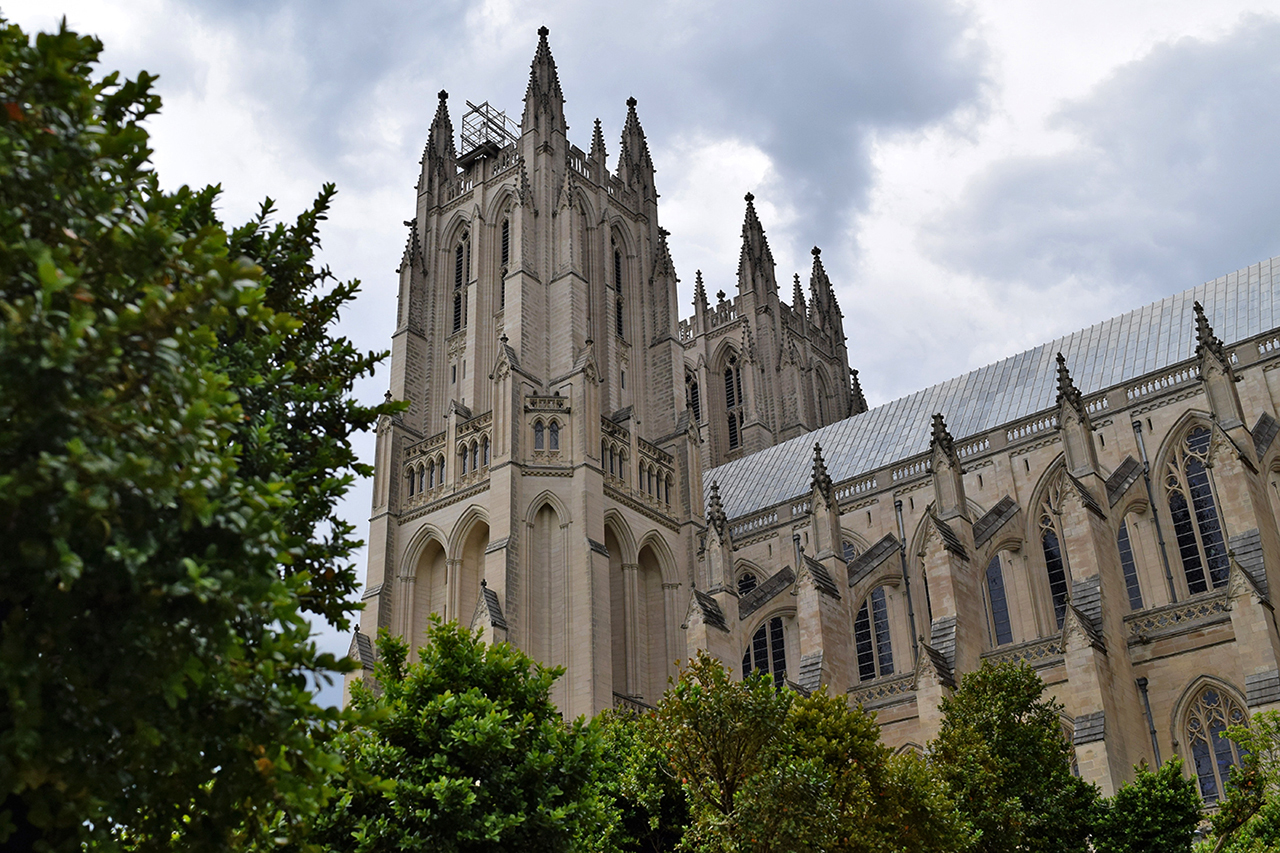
{"x":821,"y":480}
{"x":1067,"y":389}
{"x":543,"y":32}
{"x":941,"y":436}
{"x":1205,"y":338}
{"x":444,"y":96}
{"x":631,"y":103}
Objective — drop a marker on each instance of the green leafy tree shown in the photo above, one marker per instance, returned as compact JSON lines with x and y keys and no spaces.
{"x":1155,"y":813}
{"x":1248,"y":817}
{"x":651,"y":811}
{"x":768,"y":770}
{"x":159,"y":505}
{"x":471,"y":752}
{"x":1001,"y":752}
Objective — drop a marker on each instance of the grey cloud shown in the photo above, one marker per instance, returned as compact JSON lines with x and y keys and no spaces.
{"x":1173,"y":182}
{"x":809,"y":82}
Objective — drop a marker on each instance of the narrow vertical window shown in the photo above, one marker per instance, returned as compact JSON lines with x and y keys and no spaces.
{"x":733,"y":401}
{"x":1001,"y":632}
{"x":1128,"y":566}
{"x":1054,"y":568}
{"x":617,"y":317}
{"x":667,"y":492}
{"x":462,"y":462}
{"x":475,"y":456}
{"x":411,"y":482}
{"x":431,"y":474}
{"x":422,"y":478}
{"x":693,"y":397}
{"x":617,"y":271}
{"x":871,"y":637}
{"x":1195,"y":514}
{"x":506,"y":260}
{"x":459,"y":280}
{"x":484,"y":444}
{"x":538,"y":438}
{"x":554,"y":436}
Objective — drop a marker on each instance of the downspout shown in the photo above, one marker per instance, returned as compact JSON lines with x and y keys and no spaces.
{"x":906,"y":583}
{"x":1151,"y":723}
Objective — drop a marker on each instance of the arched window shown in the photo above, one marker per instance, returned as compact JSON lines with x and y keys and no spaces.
{"x":1054,"y":567}
{"x":538,"y":437}
{"x":617,"y":270}
{"x":733,"y":401}
{"x":612,"y":460}
{"x":997,"y":605}
{"x":849,"y":549}
{"x":1212,"y":754}
{"x":666,"y":494}
{"x":618,"y":314}
{"x":1195,"y":515}
{"x":553,"y":436}
{"x":462,"y":461}
{"x":461,"y":262}
{"x":411,"y":482}
{"x":475,"y":456}
{"x":746,"y":582}
{"x":484,"y":450}
{"x":871,"y":637}
{"x":692,"y":396}
{"x":622,"y":465}
{"x":422,"y":478}
{"x":506,"y":260}
{"x":431,"y":474}
{"x":767,"y":652}
{"x":1129,"y":566}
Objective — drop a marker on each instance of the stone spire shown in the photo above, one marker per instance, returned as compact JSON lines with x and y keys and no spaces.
{"x":1068,"y":393}
{"x":1074,"y":425}
{"x":635,"y":166}
{"x":826,"y":311}
{"x":700,"y":293}
{"x":597,"y":143}
{"x":948,"y":483}
{"x":857,"y":402}
{"x":797,"y":298}
{"x":662,"y":263}
{"x":755,"y":264}
{"x":820,"y":481}
{"x":715,"y":510}
{"x":1206,"y":340}
{"x":543,"y":100}
{"x":440,"y":160}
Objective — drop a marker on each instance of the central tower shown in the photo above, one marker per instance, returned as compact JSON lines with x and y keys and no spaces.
{"x":545,"y":482}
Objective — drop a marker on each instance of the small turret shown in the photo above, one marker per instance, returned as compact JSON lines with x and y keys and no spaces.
{"x":948,"y":482}
{"x":543,"y":100}
{"x":635,"y":166}
{"x":715,"y":511}
{"x":700,"y":294}
{"x":820,"y":481}
{"x":797,"y":299}
{"x":755,"y":264}
{"x":440,"y":159}
{"x":598,"y":153}
{"x":1217,"y":375}
{"x":1074,"y":425}
{"x":826,"y":311}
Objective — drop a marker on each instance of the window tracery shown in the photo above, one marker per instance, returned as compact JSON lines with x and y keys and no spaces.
{"x":1212,"y":754}
{"x":871,"y":637}
{"x":767,"y":652}
{"x":999,"y":627}
{"x":733,"y":401}
{"x":1194,"y":512}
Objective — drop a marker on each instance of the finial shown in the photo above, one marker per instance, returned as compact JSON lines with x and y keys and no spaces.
{"x":720,"y":295}
{"x":715,"y":510}
{"x":503,"y":337}
{"x":543,"y":32}
{"x":1205,"y":338}
{"x":750,"y":197}
{"x":444,"y":96}
{"x":816,"y":251}
{"x":941,"y":436}
{"x":387,"y":396}
{"x":631,"y":102}
{"x":821,"y":480}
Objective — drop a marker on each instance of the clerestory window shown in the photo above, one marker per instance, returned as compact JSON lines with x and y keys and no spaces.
{"x":1195,"y":514}
{"x":767,"y":652}
{"x":871,"y":637}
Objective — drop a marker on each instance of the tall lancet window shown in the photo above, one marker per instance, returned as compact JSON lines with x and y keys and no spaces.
{"x":1195,"y":514}
{"x":997,"y":604}
{"x":693,"y":397}
{"x":767,"y":652}
{"x":1212,"y":755}
{"x":871,"y":637}
{"x":619,"y":309}
{"x":733,"y":401}
{"x":461,"y":263}
{"x":506,"y":261}
{"x":1054,"y":566}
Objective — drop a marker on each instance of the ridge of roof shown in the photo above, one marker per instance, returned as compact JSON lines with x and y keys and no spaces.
{"x":1240,"y":305}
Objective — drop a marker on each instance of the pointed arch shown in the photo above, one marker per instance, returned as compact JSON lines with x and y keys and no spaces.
{"x":462,"y":528}
{"x":1185,"y":478}
{"x":1205,"y":709}
{"x":546,"y":496}
{"x":615,"y":523}
{"x":546,"y":589}
{"x":499,"y":203}
{"x":661,"y":549}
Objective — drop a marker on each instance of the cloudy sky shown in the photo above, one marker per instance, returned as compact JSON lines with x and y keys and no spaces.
{"x":982,"y":176}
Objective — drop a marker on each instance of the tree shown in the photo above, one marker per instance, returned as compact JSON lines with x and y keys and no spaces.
{"x":651,"y":811}
{"x":1248,"y":817}
{"x":1155,"y":813}
{"x":767,"y":769}
{"x":1001,"y":751}
{"x":158,"y":506}
{"x":472,"y":753}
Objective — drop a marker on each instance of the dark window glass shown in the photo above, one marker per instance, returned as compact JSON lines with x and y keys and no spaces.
{"x":617,"y":318}
{"x":880,"y":620}
{"x":1129,"y":567}
{"x":767,"y":652}
{"x":617,"y":271}
{"x":459,"y":279}
{"x":506,"y":243}
{"x":1001,"y":631}
{"x":537,"y":435}
{"x":554,"y":435}
{"x":695,"y":399}
{"x":871,"y":637}
{"x":1187,"y":550}
{"x":411,"y":483}
{"x":850,"y":551}
{"x":746,"y":583}
{"x":1057,"y":573}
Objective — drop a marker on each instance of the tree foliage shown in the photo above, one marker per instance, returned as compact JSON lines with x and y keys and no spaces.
{"x":1002,"y":753}
{"x":1248,"y":817}
{"x":1155,"y":813}
{"x":650,"y":810}
{"x":767,"y":770}
{"x":473,"y":753}
{"x":174,"y":424}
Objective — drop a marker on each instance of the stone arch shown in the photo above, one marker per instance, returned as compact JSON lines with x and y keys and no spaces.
{"x":422,"y":584}
{"x":884,"y":590}
{"x":457,"y":225}
{"x":753,"y":654}
{"x":652,"y":655}
{"x":467,"y":545}
{"x":1201,"y":749}
{"x":744,"y":567}
{"x":615,"y":523}
{"x":546,"y":496}
{"x":1184,"y":486}
{"x":620,"y":543}
{"x":1049,"y":570}
{"x":1186,"y":422}
{"x":547,"y":611}
{"x":499,"y":204}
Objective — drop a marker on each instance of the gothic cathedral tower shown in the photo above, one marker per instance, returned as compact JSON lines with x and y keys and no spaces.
{"x":545,"y":482}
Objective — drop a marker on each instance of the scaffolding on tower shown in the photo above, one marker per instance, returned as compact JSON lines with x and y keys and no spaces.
{"x":485,"y":132}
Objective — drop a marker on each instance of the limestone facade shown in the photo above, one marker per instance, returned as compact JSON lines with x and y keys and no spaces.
{"x":611,"y":488}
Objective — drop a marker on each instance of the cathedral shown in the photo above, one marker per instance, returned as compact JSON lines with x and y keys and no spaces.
{"x":610,"y":487}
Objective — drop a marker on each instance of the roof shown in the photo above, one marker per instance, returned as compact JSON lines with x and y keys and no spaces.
{"x":1241,"y":305}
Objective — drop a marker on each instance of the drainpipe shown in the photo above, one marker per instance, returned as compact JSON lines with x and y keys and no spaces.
{"x":1155,"y":513}
{"x":906,"y":583}
{"x":1151,"y":723}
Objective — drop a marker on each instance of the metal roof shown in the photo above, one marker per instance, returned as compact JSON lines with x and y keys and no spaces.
{"x":1240,"y":305}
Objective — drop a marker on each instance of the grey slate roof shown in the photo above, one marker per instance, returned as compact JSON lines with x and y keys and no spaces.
{"x":1240,"y":305}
